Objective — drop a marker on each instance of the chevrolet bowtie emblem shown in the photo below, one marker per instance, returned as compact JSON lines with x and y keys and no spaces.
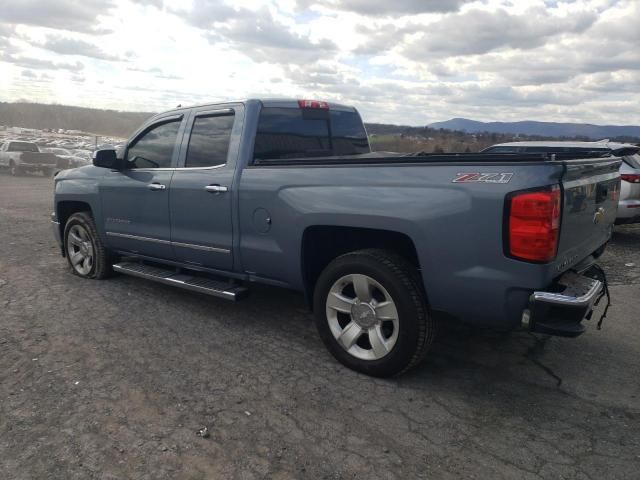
{"x":599,"y":215}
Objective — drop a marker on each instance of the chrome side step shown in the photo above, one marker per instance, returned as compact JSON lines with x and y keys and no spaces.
{"x":194,"y":283}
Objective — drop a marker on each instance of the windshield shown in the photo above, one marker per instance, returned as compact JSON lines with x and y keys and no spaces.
{"x":23,"y":147}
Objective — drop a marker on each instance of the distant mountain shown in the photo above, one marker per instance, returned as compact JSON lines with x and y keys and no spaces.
{"x":542,"y":129}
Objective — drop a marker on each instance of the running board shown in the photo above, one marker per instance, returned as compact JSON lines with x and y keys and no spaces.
{"x":194,"y":283}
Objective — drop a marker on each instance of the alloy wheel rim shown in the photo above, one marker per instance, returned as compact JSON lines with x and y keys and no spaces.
{"x":362,"y":317}
{"x":80,"y":249}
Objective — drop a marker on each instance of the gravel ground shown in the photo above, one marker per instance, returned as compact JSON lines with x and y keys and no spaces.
{"x":112,"y":379}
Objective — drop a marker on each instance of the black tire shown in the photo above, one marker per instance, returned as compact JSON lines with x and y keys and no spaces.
{"x":102,"y":259}
{"x":416,"y":327}
{"x":14,"y":170}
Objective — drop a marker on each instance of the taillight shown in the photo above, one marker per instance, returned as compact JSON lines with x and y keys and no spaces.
{"x":534,"y":224}
{"x":630,"y":177}
{"x":313,"y":104}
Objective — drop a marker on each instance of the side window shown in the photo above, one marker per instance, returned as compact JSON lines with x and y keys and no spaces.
{"x":154,"y":148}
{"x":209,"y":141}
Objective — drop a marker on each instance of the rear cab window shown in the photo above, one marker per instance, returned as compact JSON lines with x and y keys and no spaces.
{"x":288,"y":133}
{"x":633,"y":160}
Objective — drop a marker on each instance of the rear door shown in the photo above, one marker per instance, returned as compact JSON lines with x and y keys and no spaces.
{"x":135,"y":201}
{"x":201,"y":189}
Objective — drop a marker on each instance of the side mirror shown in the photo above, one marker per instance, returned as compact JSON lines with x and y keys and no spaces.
{"x":107,"y":158}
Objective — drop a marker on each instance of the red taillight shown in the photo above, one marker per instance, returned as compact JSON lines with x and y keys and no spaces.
{"x":534,"y":224}
{"x":313,"y":104}
{"x":630,"y":177}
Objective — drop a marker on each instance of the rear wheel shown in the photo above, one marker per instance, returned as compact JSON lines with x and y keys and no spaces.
{"x":370,"y":311}
{"x":84,"y":251}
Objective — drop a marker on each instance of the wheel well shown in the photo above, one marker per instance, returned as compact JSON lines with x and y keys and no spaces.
{"x":321,"y":244}
{"x":67,"y":208}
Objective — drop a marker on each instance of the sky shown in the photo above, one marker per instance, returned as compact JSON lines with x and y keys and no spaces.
{"x":409,"y":62}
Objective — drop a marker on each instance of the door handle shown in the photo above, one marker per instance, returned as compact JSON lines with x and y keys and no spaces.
{"x":156,"y":186}
{"x":216,"y":188}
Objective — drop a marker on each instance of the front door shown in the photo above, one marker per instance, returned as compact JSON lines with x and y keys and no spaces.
{"x":135,"y":201}
{"x":200,"y":196}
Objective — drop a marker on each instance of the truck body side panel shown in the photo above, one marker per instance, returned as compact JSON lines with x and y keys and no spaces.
{"x":456,"y":228}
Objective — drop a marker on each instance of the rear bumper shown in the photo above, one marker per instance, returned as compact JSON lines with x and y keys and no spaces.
{"x":561,"y":310}
{"x":628,"y":211}
{"x":35,"y":167}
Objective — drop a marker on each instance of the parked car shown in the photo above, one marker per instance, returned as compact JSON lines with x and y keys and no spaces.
{"x":75,"y":161}
{"x":65,"y":157}
{"x":21,"y":157}
{"x":629,"y":203}
{"x":216,"y":197}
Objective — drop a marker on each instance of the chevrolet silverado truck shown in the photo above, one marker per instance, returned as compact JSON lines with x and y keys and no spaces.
{"x":21,"y":157}
{"x":383,"y":246}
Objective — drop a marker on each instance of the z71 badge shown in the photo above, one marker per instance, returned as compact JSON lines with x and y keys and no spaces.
{"x":482,"y":177}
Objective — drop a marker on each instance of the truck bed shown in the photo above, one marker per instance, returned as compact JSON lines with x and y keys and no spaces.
{"x":376,"y":158}
{"x":457,"y":228}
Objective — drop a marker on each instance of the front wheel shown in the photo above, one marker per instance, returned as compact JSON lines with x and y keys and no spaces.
{"x":370,"y":311}
{"x":14,"y":169}
{"x":84,"y":251}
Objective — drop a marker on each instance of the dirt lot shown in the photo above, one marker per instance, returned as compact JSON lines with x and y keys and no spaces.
{"x":112,"y":379}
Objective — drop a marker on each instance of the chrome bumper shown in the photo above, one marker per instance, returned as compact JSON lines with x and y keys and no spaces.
{"x":561,"y":312}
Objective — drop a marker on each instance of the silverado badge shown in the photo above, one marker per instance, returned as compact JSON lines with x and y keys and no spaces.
{"x":482,"y":177}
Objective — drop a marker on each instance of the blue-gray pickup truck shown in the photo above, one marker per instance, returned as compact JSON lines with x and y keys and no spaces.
{"x":384,"y":246}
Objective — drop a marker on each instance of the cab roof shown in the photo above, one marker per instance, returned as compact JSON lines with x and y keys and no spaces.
{"x":267,"y":102}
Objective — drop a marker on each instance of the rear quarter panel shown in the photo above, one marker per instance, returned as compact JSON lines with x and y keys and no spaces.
{"x":456,"y":227}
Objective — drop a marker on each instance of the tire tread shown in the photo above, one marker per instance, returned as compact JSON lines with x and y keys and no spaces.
{"x":409,"y":280}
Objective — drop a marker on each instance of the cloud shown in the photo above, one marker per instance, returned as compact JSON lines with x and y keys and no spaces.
{"x":72,"y":46}
{"x":388,"y":7}
{"x":71,"y":15}
{"x":204,"y":13}
{"x":40,"y":64}
{"x":477,"y":32}
{"x":151,"y":3}
{"x":399,"y":61}
{"x":256,"y":34}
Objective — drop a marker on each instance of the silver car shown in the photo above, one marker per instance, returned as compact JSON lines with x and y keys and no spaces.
{"x":629,"y":202}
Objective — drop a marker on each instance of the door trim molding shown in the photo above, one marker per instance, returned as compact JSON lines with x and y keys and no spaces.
{"x":136,"y":237}
{"x":167,"y":242}
{"x":201,"y":247}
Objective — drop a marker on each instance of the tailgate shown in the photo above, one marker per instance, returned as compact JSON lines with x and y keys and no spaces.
{"x":591,"y":190}
{"x":33,"y":158}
